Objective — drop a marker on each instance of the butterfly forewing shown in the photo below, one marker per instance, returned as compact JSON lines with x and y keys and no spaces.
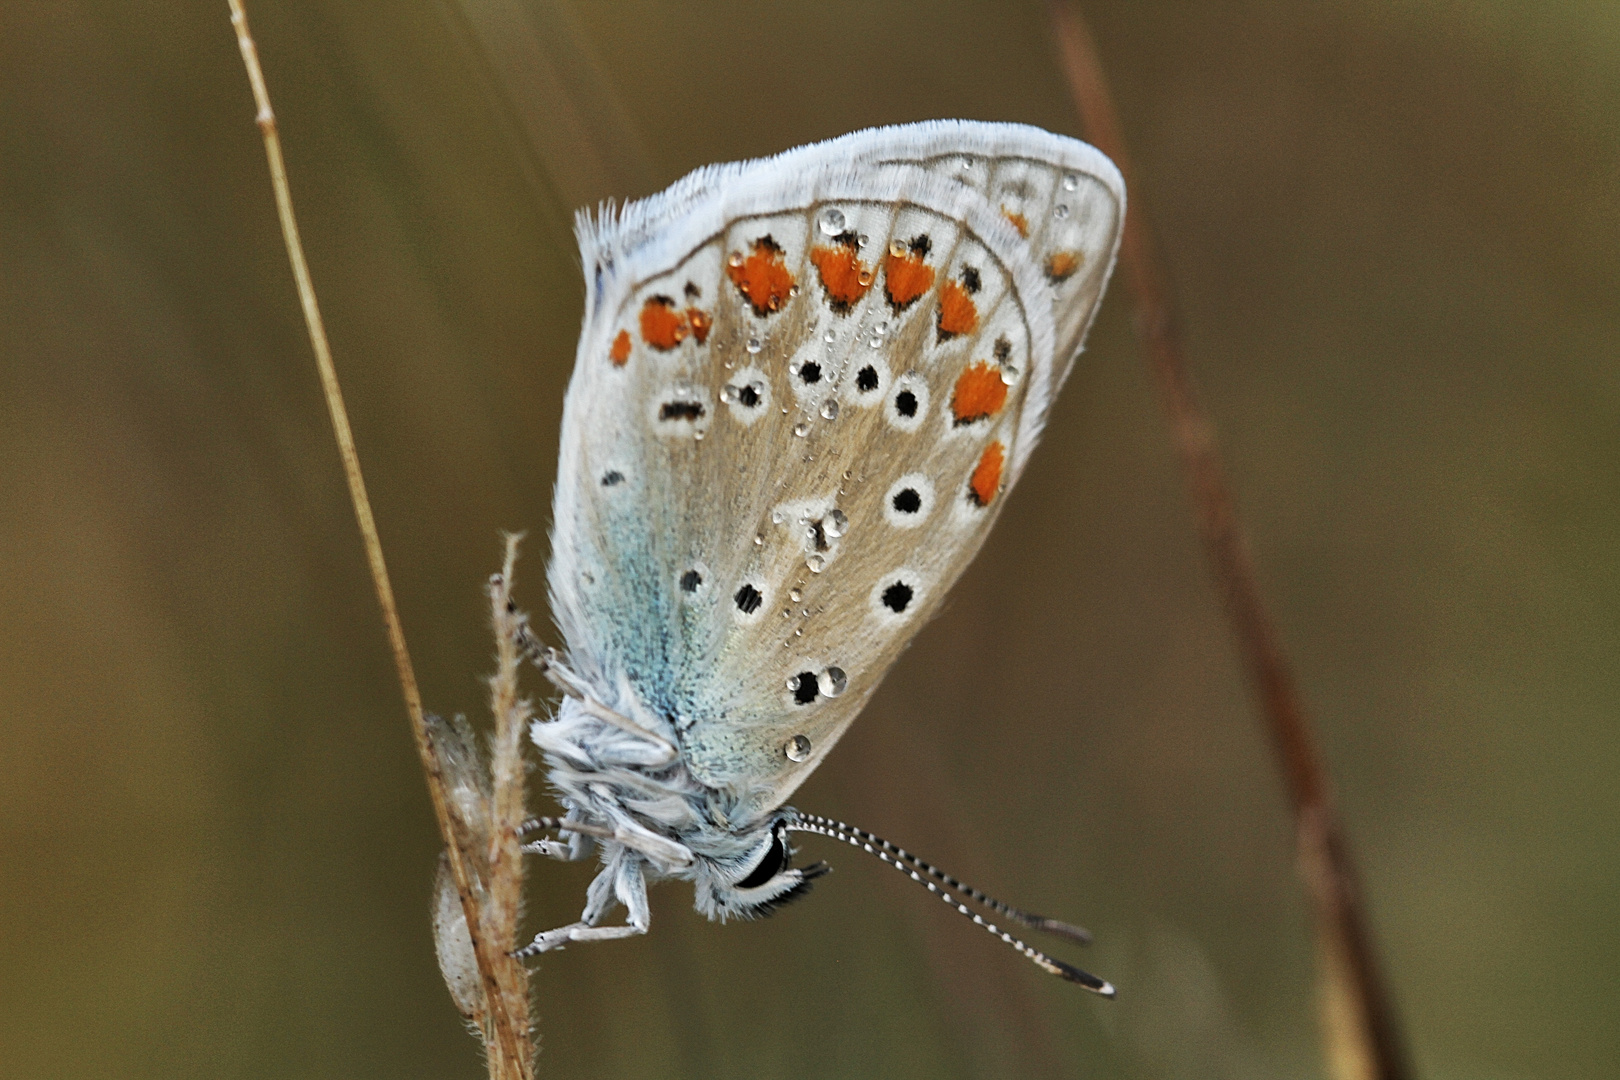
{"x":786,"y":437}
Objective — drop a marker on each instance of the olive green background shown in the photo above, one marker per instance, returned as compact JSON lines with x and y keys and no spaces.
{"x":1395,"y":232}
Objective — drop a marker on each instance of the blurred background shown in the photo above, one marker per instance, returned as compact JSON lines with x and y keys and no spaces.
{"x":1393,"y":230}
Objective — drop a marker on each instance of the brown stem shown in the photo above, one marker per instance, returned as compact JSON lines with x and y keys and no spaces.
{"x":503,"y":906}
{"x":1361,"y":1029}
{"x":509,"y":1040}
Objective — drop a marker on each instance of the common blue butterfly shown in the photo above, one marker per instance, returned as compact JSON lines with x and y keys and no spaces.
{"x":803,"y":389}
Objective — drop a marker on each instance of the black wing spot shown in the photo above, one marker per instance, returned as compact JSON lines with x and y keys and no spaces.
{"x":970,"y":279}
{"x":905,"y":403}
{"x":810,"y":372}
{"x":866,"y":379}
{"x":693,"y":292}
{"x":612,"y":477}
{"x":748,"y":396}
{"x":748,"y":599}
{"x":920,"y":245}
{"x":907,"y":501}
{"x":897,"y":597}
{"x":690,"y":581}
{"x":1003,"y":350}
{"x":680,"y":410}
{"x":805,"y":687}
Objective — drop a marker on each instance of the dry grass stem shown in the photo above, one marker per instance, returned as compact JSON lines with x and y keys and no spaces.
{"x":1361,"y":1034}
{"x":507,"y":1035}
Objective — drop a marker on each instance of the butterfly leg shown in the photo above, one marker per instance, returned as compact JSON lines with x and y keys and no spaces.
{"x":620,"y":882}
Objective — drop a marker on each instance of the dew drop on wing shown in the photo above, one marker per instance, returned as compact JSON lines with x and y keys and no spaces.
{"x":754,"y":345}
{"x":836,"y":523}
{"x":829,"y":410}
{"x":832,"y":221}
{"x":816,"y":563}
{"x":801,"y":429}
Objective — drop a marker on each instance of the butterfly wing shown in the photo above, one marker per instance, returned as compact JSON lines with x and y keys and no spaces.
{"x":802,"y":390}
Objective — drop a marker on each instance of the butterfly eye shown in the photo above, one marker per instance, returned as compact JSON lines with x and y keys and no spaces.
{"x":770,"y":864}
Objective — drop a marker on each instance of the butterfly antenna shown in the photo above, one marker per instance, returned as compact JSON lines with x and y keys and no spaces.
{"x":916,"y":869}
{"x":1018,"y":915}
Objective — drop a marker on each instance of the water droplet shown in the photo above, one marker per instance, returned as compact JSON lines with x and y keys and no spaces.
{"x":729,"y":394}
{"x":754,"y":345}
{"x":829,"y":409}
{"x":816,"y":563}
{"x":1009,"y":374}
{"x":1062,"y":210}
{"x":876,"y":342}
{"x":967,"y":163}
{"x":863,"y":240}
{"x":847,"y":474}
{"x":776,"y":517}
{"x":1071,"y":182}
{"x":801,"y":429}
{"x":759,"y":539}
{"x":832,"y":221}
{"x":864,"y":278}
{"x":897,"y":248}
{"x":697,"y":435}
{"x":793,"y":290}
{"x":833,"y":681}
{"x":787,"y":613}
{"x":796,"y":595}
{"x":798,"y":633}
{"x":830,"y":336}
{"x":736,"y":258}
{"x":836,"y":524}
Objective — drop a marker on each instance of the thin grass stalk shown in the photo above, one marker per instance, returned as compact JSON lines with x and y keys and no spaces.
{"x":1361,"y":1033}
{"x":507,"y":1039}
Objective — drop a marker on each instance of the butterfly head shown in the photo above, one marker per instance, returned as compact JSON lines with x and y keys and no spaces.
{"x":760,"y":879}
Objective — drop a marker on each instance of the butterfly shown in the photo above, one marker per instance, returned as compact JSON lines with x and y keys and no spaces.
{"x":803,"y":390}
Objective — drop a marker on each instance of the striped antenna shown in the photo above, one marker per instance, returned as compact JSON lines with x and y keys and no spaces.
{"x":916,"y":869}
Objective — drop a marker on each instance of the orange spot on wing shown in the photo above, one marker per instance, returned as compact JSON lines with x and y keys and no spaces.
{"x":986,"y":479}
{"x":843,"y":275}
{"x":1062,"y":264}
{"x":701,"y":322}
{"x":761,"y":277}
{"x":980,"y":393}
{"x":1019,"y":221}
{"x":620,"y":352}
{"x":957,"y":312}
{"x":908,"y":277}
{"x":662,"y":326}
